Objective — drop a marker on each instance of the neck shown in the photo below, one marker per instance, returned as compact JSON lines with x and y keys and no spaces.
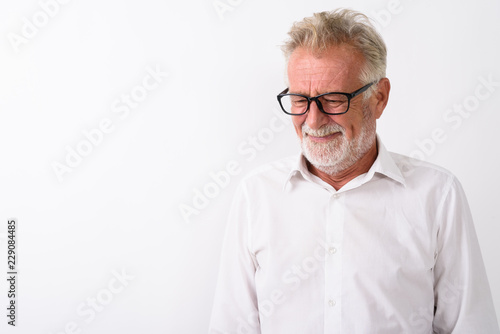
{"x":338,"y":180}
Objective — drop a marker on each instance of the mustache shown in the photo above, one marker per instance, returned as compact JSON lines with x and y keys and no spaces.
{"x":325,"y":130}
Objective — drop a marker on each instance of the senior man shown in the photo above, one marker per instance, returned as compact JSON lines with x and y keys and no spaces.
{"x":348,"y":238}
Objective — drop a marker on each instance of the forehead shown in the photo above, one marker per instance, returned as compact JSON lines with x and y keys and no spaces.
{"x":335,"y":69}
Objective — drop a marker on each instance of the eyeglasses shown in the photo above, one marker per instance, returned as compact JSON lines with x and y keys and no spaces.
{"x":333,"y":103}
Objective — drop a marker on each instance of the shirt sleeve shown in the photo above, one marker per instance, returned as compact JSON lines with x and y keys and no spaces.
{"x":463,"y":301}
{"x":235,"y":305}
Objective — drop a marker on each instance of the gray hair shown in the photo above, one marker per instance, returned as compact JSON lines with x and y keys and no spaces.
{"x":340,"y":26}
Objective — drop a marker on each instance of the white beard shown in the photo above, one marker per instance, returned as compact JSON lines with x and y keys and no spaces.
{"x":338,"y":154}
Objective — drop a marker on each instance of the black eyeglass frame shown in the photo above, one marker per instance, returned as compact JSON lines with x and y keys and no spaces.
{"x":318,"y":103}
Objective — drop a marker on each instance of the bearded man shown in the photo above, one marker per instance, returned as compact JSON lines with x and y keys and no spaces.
{"x":348,"y":237}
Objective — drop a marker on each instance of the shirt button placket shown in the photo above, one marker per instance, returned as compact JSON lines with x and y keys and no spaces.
{"x":333,"y":265}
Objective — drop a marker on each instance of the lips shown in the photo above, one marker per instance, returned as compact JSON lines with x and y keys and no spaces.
{"x":323,"y":138}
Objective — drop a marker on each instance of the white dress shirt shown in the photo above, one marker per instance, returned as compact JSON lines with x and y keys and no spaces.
{"x":392,"y":251}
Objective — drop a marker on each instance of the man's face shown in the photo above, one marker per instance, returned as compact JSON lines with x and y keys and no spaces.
{"x":332,"y":143}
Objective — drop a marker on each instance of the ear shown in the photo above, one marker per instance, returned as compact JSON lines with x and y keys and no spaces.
{"x":381,"y":96}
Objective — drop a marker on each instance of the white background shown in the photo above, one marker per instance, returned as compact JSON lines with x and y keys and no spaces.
{"x":118,"y":209}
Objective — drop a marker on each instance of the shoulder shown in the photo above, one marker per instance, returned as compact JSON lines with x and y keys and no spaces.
{"x":272,"y":173}
{"x":418,"y":172}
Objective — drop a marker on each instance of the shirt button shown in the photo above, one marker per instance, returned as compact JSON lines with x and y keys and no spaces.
{"x":331,"y":302}
{"x":332,"y":250}
{"x":336,"y":196}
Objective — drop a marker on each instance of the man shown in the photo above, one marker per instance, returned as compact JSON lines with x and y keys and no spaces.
{"x":349,"y":238}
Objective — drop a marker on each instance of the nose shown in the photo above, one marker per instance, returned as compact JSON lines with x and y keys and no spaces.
{"x":315,"y":118}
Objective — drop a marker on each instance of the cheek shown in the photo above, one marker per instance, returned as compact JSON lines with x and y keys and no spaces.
{"x":297,"y":124}
{"x":352,"y":124}
{"x":349,"y":127}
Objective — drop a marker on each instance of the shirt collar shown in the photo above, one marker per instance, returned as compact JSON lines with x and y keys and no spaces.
{"x":384,"y":164}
